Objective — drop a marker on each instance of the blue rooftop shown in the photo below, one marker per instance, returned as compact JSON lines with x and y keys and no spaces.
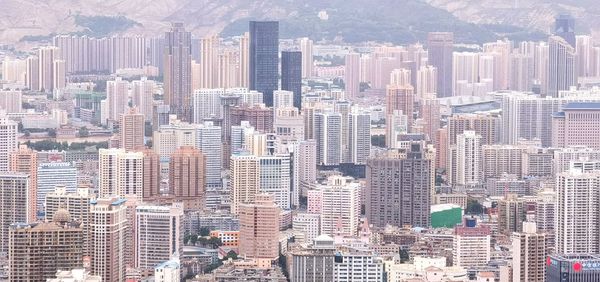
{"x":582,"y":106}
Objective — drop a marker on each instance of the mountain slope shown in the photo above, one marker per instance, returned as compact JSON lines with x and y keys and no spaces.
{"x":397,"y":21}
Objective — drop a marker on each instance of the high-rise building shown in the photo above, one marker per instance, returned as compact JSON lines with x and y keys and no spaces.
{"x":178,"y":73}
{"x":259,"y":116}
{"x":78,"y":206}
{"x":158,"y":234}
{"x":245,"y":180}
{"x":264,"y":58}
{"x":131,"y":129}
{"x":562,"y":72}
{"x":306,"y":47}
{"x":359,"y":137}
{"x":50,"y":175}
{"x":315,"y":263}
{"x":439,"y":47}
{"x":32,"y":73}
{"x":275,"y":178}
{"x":244,"y":60}
{"x":401,"y":98}
{"x":116,"y":100}
{"x":466,"y":161}
{"x":15,"y":194}
{"x":483,"y":124}
{"x":426,"y":82}
{"x":207,"y":104}
{"x":338,"y":203}
{"x":142,"y":97}
{"x":25,"y":161}
{"x":576,"y":212}
{"x":529,"y":254}
{"x":120,"y":173}
{"x":11,"y":101}
{"x":38,"y":250}
{"x":576,"y":125}
{"x":308,"y":224}
{"x":209,"y":48}
{"x":357,"y":265}
{"x":108,"y":221}
{"x":397,"y":198}
{"x":352,"y":75}
{"x":304,"y":163}
{"x":151,"y":176}
{"x":291,"y":75}
{"x":208,"y":140}
{"x":471,"y":247}
{"x":511,"y":214}
{"x":328,"y":134}
{"x":564,"y":26}
{"x":187,"y":177}
{"x":259,"y":228}
{"x":47,"y":55}
{"x":8,"y":141}
{"x":577,"y":267}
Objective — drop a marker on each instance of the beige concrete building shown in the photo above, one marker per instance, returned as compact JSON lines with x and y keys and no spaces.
{"x":259,"y":228}
{"x":15,"y":195}
{"x":132,"y":130}
{"x":528,"y":255}
{"x":108,"y":232}
{"x":187,"y":177}
{"x":577,"y":125}
{"x":25,"y":160}
{"x":38,"y":250}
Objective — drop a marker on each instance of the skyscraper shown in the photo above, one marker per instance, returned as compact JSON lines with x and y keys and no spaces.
{"x":264,"y":58}
{"x":352,"y":75}
{"x":577,"y":212}
{"x":400,"y":98}
{"x":178,"y":73}
{"x":466,"y":164}
{"x":564,"y":26}
{"x":49,"y":175}
{"x":562,"y":73}
{"x":120,"y":173}
{"x":244,"y":183}
{"x":259,"y":228}
{"x":8,"y":141}
{"x":116,"y":100}
{"x":25,"y":161}
{"x":439,"y":47}
{"x":397,"y":198}
{"x":529,"y":254}
{"x":151,"y":163}
{"x":78,"y":206}
{"x":576,"y":125}
{"x":208,"y":140}
{"x":359,"y":137}
{"x":15,"y":195}
{"x":244,"y":53}
{"x":142,"y":96}
{"x":338,"y":202}
{"x":38,"y":250}
{"x":187,"y":177}
{"x":159,"y":234}
{"x":471,"y":246}
{"x":328,"y":134}
{"x":306,"y":47}
{"x":132,"y":130}
{"x":291,"y":74}
{"x":108,"y":231}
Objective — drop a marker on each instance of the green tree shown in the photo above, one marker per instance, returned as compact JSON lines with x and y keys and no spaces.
{"x":204,"y":231}
{"x":474,"y":207}
{"x":231,"y":255}
{"x":84,"y":132}
{"x":52,"y":133}
{"x":378,"y":140}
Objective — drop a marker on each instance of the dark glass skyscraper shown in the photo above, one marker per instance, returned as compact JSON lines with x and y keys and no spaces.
{"x":291,"y":74}
{"x":178,"y":71}
{"x":440,"y":45}
{"x":264,"y":58}
{"x":564,"y":26}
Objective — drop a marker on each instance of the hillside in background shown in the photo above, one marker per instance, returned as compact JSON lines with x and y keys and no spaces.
{"x":397,"y":21}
